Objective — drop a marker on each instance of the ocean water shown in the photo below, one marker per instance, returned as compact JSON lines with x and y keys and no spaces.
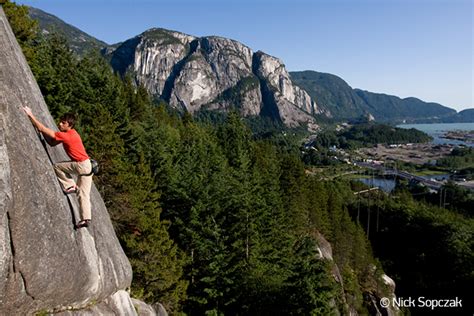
{"x":437,"y":130}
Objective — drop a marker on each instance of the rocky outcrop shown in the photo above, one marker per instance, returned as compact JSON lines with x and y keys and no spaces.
{"x":213,"y":73}
{"x":294,"y":105}
{"x":382,"y":289}
{"x":382,"y":292}
{"x":147,"y":310}
{"x":157,"y":54}
{"x":45,"y":264}
{"x":215,"y":67}
{"x":117,"y":304}
{"x":324,"y":249}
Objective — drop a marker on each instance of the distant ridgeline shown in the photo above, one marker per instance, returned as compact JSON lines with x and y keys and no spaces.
{"x":464,"y":116}
{"x":344,"y":102}
{"x":216,"y":74}
{"x":79,"y":41}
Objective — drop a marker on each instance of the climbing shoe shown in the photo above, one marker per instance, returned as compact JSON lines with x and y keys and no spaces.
{"x":70,"y":190}
{"x":83,"y":223}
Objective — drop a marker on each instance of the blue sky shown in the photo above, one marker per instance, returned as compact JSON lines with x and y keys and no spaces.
{"x":419,"y":48}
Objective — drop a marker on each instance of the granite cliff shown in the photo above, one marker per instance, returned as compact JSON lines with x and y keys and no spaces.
{"x":45,"y":264}
{"x":213,"y":73}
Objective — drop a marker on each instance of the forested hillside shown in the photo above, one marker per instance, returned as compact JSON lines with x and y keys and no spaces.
{"x":368,"y":135}
{"x":213,"y":220}
{"x":426,"y":248}
{"x":79,"y":41}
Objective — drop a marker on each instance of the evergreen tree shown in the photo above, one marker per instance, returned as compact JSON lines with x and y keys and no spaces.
{"x":310,"y":287}
{"x":54,"y":68}
{"x":293,"y":185}
{"x":24,"y":28}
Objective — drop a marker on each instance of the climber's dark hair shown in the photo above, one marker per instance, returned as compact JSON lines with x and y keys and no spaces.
{"x":69,"y":117}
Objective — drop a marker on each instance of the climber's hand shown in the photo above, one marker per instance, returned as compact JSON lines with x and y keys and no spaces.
{"x":27,"y":111}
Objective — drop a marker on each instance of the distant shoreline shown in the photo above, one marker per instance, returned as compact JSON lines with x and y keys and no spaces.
{"x":465,"y":136}
{"x":446,"y":133}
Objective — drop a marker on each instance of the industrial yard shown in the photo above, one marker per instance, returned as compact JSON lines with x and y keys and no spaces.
{"x":413,"y":153}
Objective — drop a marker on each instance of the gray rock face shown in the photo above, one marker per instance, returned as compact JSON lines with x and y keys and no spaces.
{"x":45,"y":264}
{"x":325,"y":252}
{"x":214,"y":73}
{"x":156,"y":55}
{"x":215,"y":66}
{"x":119,"y":303}
{"x":147,"y":310}
{"x":195,"y":84}
{"x":273,"y":70}
{"x":245,"y":96}
{"x":324,"y":249}
{"x":293,"y":104}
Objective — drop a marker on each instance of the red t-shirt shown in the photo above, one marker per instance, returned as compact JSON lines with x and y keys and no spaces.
{"x":72,"y":144}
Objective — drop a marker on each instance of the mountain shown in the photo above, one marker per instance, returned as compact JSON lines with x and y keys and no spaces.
{"x":344,"y":102}
{"x":79,"y":41}
{"x":465,"y":116}
{"x":393,"y":108}
{"x":213,"y":73}
{"x":333,"y":93}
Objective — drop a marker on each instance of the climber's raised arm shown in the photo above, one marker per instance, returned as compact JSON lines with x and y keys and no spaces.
{"x":48,"y":133}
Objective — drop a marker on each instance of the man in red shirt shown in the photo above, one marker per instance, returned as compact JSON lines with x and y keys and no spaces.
{"x":79,"y":165}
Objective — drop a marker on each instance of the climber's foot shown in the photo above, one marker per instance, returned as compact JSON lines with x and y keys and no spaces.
{"x":83,"y":223}
{"x":70,"y":190}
